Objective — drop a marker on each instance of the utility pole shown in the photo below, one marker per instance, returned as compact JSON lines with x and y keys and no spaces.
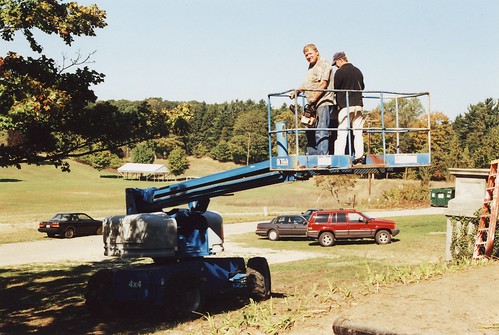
{"x":369,"y":174}
{"x":248,"y":149}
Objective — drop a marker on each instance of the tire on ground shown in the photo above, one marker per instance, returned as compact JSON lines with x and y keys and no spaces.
{"x":258,"y":278}
{"x":69,"y":233}
{"x":183,"y":296}
{"x":273,"y":235}
{"x":383,"y":237}
{"x":97,"y":292}
{"x":326,"y":239}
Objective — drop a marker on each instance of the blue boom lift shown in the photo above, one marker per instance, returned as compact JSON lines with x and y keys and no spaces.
{"x":182,"y":241}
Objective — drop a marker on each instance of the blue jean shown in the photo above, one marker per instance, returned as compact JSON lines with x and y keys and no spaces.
{"x":322,"y":136}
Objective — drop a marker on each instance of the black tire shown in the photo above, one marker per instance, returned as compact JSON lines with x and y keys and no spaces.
{"x":383,"y":237}
{"x":50,"y":234}
{"x":326,"y":239}
{"x":273,"y":235}
{"x":69,"y":233}
{"x":98,"y":292}
{"x":184,"y":296}
{"x":258,"y":279}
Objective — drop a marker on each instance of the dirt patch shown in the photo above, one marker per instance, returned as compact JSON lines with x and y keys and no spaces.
{"x":459,"y":303}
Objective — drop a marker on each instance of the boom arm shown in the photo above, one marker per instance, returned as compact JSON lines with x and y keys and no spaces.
{"x":197,"y":192}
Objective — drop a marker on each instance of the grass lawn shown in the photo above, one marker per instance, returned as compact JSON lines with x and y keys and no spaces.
{"x":417,"y":232}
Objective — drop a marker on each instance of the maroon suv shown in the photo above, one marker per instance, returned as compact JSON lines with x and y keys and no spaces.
{"x":327,"y":226}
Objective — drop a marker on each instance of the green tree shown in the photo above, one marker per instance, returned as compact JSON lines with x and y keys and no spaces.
{"x":48,"y":112}
{"x":441,"y":138}
{"x":475,"y":131}
{"x":165,"y":145}
{"x":144,"y":153}
{"x":177,"y":161}
{"x":249,"y":143}
{"x":284,"y":114}
{"x":101,"y":160}
{"x":221,"y":152}
{"x":200,"y":150}
{"x":212,"y":124}
{"x":489,"y":150}
{"x":409,"y":114}
{"x":179,"y":118}
{"x":398,"y":113}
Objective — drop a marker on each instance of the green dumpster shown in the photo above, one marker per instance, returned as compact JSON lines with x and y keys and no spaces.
{"x":440,"y":196}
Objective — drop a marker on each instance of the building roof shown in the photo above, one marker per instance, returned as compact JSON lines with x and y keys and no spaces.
{"x":143,"y":168}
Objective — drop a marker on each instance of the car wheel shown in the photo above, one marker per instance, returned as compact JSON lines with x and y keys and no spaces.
{"x":50,"y":234}
{"x":326,"y":239}
{"x":258,"y":278}
{"x":273,"y":235}
{"x":69,"y":233}
{"x":383,"y":237}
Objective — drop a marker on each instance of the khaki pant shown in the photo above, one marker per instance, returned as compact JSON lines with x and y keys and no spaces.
{"x":346,"y":117}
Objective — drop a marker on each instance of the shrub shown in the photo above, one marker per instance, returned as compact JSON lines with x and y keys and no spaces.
{"x":463,"y":237}
{"x":144,"y":153}
{"x":177,"y":161}
{"x":407,"y":194}
{"x":221,"y":152}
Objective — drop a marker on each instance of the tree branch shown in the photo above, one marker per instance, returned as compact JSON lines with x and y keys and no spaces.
{"x":79,"y":60}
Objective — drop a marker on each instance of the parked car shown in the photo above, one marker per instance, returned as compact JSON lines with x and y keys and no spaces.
{"x":70,"y":225}
{"x":283,"y":226}
{"x":309,"y":212}
{"x":331,"y":225}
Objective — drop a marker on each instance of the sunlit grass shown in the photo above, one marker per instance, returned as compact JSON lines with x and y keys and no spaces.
{"x":416,"y":232}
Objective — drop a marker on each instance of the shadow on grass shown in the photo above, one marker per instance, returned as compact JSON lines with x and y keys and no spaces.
{"x":9,"y":180}
{"x":110,"y":176}
{"x":352,"y":242}
{"x":288,"y":238}
{"x":50,"y":300}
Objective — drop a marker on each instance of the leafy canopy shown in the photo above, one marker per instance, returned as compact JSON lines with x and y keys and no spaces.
{"x":48,"y":112}
{"x":177,"y":161}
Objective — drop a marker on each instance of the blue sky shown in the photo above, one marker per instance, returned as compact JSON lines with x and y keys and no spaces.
{"x":223,"y":50}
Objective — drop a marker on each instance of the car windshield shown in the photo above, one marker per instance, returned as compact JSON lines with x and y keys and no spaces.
{"x":309,"y":212}
{"x":364,"y":215}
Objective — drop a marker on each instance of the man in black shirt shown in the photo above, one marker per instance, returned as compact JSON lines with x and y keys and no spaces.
{"x":348,"y":77}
